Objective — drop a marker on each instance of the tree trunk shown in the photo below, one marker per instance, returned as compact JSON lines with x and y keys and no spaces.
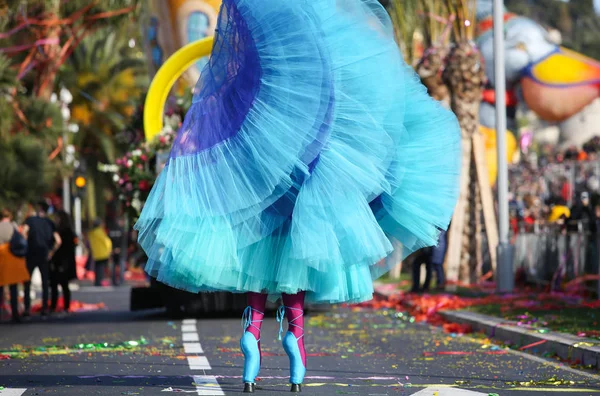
{"x":476,"y":249}
{"x":464,"y":76}
{"x":48,"y":56}
{"x":457,"y":227}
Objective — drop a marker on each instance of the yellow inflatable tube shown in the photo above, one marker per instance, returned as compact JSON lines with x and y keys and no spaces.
{"x":164,"y":80}
{"x":491,"y":150}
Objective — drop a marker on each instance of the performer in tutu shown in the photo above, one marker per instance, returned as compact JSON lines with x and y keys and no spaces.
{"x":310,"y":150}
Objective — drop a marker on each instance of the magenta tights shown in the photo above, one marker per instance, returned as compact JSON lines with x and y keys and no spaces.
{"x":294,"y":310}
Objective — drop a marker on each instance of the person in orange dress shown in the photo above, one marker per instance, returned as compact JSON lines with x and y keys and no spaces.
{"x":13,"y":270}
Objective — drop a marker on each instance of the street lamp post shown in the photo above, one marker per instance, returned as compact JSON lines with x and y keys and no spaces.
{"x":66,"y":195}
{"x":504,"y":270}
{"x":66,"y":98}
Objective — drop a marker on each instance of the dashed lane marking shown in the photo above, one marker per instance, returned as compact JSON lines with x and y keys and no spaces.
{"x":207,"y":385}
{"x":192,"y":347}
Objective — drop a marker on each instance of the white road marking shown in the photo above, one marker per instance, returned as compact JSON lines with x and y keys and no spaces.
{"x":198,"y":363}
{"x":188,"y":328}
{"x":192,"y":347}
{"x":20,"y":391}
{"x":207,"y":385}
{"x":190,"y":337}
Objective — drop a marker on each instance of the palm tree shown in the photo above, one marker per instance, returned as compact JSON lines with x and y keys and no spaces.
{"x":464,"y":76}
{"x":452,"y":70}
{"x":107,"y":79}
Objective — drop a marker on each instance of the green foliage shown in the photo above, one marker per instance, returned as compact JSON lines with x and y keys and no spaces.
{"x":107,"y":80}
{"x":44,"y":120}
{"x":8,"y":76}
{"x":26,"y":141}
{"x":6,"y":117}
{"x":24,"y":171}
{"x":8,"y":82}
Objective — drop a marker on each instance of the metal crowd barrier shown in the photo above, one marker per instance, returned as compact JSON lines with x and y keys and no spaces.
{"x":553,"y":257}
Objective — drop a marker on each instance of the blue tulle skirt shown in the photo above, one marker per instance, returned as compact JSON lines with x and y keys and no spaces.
{"x":310,"y":154}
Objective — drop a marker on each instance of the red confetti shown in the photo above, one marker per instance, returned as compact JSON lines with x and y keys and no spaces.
{"x":457,"y":328}
{"x":532,"y":345}
{"x":426,"y":308}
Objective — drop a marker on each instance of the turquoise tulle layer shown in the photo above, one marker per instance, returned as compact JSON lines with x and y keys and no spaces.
{"x":310,"y":154}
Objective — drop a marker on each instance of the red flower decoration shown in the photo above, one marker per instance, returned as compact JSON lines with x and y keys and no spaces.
{"x":144,"y":185}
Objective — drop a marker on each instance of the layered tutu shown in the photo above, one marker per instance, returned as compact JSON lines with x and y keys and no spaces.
{"x":310,"y":154}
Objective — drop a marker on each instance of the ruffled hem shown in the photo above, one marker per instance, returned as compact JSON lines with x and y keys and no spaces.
{"x":341,"y":157}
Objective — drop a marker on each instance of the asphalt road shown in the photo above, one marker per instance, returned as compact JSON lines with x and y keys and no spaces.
{"x":351,"y":352}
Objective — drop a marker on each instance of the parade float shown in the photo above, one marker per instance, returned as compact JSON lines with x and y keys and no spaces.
{"x":552,"y":81}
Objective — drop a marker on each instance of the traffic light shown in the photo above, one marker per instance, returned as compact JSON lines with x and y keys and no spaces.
{"x":80,"y":180}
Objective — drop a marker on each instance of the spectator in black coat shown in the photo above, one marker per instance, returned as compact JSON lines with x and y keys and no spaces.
{"x":63,"y":265}
{"x":42,"y":242}
{"x":583,"y":213}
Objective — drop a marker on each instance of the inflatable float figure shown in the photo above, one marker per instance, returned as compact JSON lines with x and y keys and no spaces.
{"x":556,"y":83}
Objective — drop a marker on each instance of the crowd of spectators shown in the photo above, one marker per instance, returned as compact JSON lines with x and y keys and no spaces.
{"x":557,"y":189}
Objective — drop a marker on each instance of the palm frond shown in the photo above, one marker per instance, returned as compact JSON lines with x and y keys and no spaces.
{"x":405,"y":20}
{"x":107,"y":144}
{"x":464,"y":13}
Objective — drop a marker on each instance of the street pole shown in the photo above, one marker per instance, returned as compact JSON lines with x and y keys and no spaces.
{"x":504,"y":270}
{"x":65,"y":98}
{"x":77,"y":204}
{"x":66,"y":195}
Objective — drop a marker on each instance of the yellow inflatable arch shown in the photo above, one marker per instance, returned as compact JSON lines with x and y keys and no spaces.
{"x":164,"y":80}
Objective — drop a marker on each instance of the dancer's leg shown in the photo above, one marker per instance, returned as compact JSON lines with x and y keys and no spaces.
{"x":256,"y":303}
{"x":250,"y":342}
{"x":294,"y":310}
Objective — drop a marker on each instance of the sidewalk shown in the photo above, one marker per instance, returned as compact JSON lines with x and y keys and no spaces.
{"x":551,"y":325}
